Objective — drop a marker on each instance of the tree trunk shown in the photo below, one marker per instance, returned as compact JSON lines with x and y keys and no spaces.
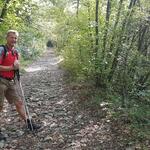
{"x":78,"y":2}
{"x":143,"y":42}
{"x":119,"y":43}
{"x":132,"y":3}
{"x":90,"y":31}
{"x":115,"y":26}
{"x":4,"y":11}
{"x":106,"y":27}
{"x":125,"y":72}
{"x":96,"y":43}
{"x":96,"y":29}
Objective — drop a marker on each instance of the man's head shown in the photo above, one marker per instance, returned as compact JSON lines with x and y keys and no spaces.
{"x":12,"y":37}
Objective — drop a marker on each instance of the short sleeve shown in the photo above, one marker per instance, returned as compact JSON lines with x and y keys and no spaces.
{"x":1,"y":54}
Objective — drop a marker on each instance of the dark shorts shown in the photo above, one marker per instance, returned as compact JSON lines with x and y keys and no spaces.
{"x":8,"y":91}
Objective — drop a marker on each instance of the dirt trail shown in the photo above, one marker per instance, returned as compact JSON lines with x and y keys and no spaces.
{"x":51,"y":102}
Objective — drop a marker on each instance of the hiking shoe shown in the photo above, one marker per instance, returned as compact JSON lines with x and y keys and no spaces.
{"x":32,"y":126}
{"x":2,"y":137}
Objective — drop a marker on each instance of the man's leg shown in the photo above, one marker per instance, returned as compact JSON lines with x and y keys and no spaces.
{"x":20,"y":109}
{"x":2,"y":91}
{"x":13,"y":97}
{"x":3,"y":88}
{"x":2,"y":137}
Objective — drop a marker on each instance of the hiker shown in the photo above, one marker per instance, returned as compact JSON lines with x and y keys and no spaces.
{"x":9,"y":63}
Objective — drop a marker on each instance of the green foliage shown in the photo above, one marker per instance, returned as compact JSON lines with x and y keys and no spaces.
{"x":121,"y":66}
{"x":120,"y":61}
{"x":22,"y":16}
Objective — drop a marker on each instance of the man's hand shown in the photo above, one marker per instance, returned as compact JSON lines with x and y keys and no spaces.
{"x":16,"y":65}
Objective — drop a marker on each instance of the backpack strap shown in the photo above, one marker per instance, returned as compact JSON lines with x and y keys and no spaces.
{"x":5,"y":50}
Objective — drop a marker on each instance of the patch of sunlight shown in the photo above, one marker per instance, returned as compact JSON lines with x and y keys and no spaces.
{"x":60,"y":102}
{"x":33,"y":69}
{"x":60,"y":59}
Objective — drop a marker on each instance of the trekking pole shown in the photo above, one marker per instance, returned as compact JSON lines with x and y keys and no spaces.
{"x":23,"y":99}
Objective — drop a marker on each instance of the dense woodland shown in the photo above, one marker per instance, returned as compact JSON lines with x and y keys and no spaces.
{"x":104,"y":43}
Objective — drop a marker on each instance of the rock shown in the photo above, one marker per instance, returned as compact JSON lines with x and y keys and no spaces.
{"x":2,"y":143}
{"x":130,"y":148}
{"x":48,"y":138}
{"x":20,"y":133}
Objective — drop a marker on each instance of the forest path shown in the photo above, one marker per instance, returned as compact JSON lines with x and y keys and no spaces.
{"x":53,"y":103}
